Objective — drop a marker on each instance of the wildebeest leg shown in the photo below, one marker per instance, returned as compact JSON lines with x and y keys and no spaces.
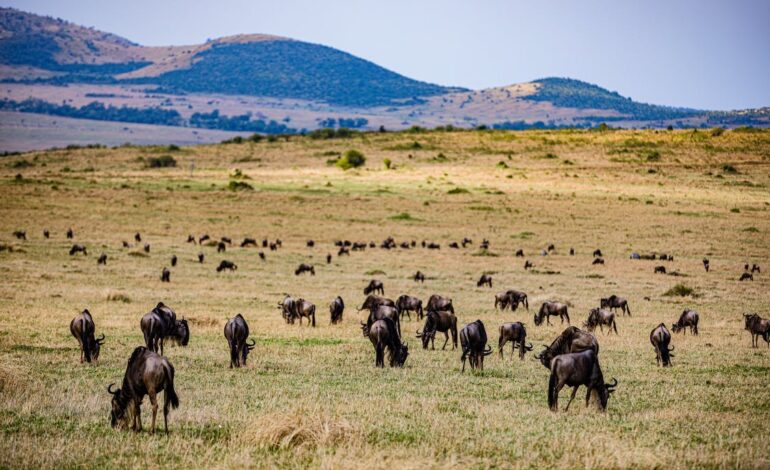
{"x":446,"y":339}
{"x":137,"y":416}
{"x":165,"y":411}
{"x":615,"y":326}
{"x":154,"y":402}
{"x":567,"y":315}
{"x":572,"y":397}
{"x":548,"y":319}
{"x":588,"y":395}
{"x":232,"y":353}
{"x":380,"y":355}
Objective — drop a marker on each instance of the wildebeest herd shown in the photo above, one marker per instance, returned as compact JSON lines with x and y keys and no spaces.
{"x":572,"y":358}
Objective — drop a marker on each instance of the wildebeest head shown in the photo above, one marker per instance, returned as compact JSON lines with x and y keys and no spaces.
{"x":118,"y":416}
{"x":605,"y":391}
{"x":182,"y":332}
{"x":545,"y":356}
{"x":96,"y":347}
{"x":428,"y":330}
{"x":402,"y":355}
{"x":246,"y":350}
{"x":540,"y":315}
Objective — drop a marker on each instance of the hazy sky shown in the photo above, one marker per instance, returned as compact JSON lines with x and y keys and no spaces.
{"x":702,"y":54}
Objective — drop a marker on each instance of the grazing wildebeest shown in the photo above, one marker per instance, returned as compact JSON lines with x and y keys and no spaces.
{"x":687,"y":318}
{"x":601,"y":317}
{"x":264,"y":243}
{"x":173,"y":260}
{"x":598,"y":253}
{"x":248,"y":242}
{"x":20,"y":234}
{"x":757,"y":326}
{"x":200,"y":257}
{"x":165,"y":275}
{"x":147,"y":373}
{"x":755,"y":268}
{"x":746,"y":277}
{"x":419,"y":277}
{"x":303,"y":308}
{"x":261,"y":255}
{"x":706,"y":264}
{"x":374,"y":286}
{"x":551,"y":247}
{"x":362,"y":246}
{"x":161,"y":323}
{"x":203,"y":238}
{"x":484,"y":245}
{"x":70,"y":233}
{"x":302,"y":268}
{"x":473,"y":341}
{"x":383,"y":335}
{"x":191,"y":239}
{"x":83,"y":329}
{"x":466,"y":241}
{"x":598,"y":261}
{"x":224,"y":264}
{"x":328,"y":258}
{"x":515,"y":298}
{"x":520,"y":253}
{"x":343,"y":251}
{"x":660,"y":269}
{"x":146,"y":247}
{"x":336,"y":307}
{"x":287,"y":308}
{"x":138,"y":237}
{"x":660,"y":339}
{"x":434,"y":246}
{"x":236,"y":334}
{"x":373,"y":301}
{"x":454,"y":245}
{"x":46,"y":234}
{"x":574,"y":370}
{"x":484,"y":279}
{"x":380,"y":312}
{"x":444,"y":322}
{"x":613,"y":302}
{"x":372,"y":245}
{"x":571,"y":340}
{"x":102,"y":259}
{"x":78,"y":249}
{"x":273,"y":247}
{"x":125,"y":244}
{"x":406,"y":304}
{"x":528,"y":264}
{"x":227,"y":240}
{"x":310,"y":243}
{"x":516,"y":333}
{"x":437,"y":303}
{"x":501,"y":300}
{"x":551,"y":309}
{"x":221,"y":247}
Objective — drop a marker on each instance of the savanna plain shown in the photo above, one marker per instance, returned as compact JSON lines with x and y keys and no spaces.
{"x":312,"y":397}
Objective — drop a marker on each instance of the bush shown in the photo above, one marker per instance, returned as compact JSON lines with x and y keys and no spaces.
{"x":458,"y":191}
{"x":164,"y":161}
{"x":679,"y":290}
{"x":388,"y":163}
{"x":239,"y":186}
{"x":351,"y":159}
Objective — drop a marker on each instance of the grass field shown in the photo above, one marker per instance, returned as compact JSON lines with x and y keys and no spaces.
{"x":312,"y":396}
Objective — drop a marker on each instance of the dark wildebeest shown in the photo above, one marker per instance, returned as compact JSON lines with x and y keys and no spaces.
{"x":501,"y":300}
{"x":221,"y":247}
{"x":511,"y":298}
{"x":102,"y":259}
{"x":706,"y":264}
{"x":516,"y":333}
{"x":551,"y":309}
{"x":264,"y":243}
{"x":165,"y":275}
{"x":328,"y":258}
{"x":70,"y":233}
{"x":380,"y":312}
{"x":520,"y":253}
{"x":484,"y":245}
{"x":302,"y":268}
{"x":434,"y":246}
{"x":438,"y":303}
{"x":660,"y":269}
{"x":224,"y":264}
{"x":572,"y":251}
{"x":303,"y":308}
{"x":406,"y":304}
{"x":147,"y":373}
{"x":746,"y":277}
{"x":200,"y":257}
{"x":343,"y":251}
{"x":138,"y":237}
{"x":372,"y":302}
{"x":173,"y":260}
{"x":227,"y":240}
{"x":528,"y":264}
{"x":601,"y":317}
{"x":146,"y":247}
{"x":373,"y":287}
{"x":83,"y":329}
{"x":660,"y":339}
{"x":574,"y":370}
{"x":454,"y":245}
{"x":466,"y":241}
{"x":444,"y":322}
{"x":78,"y":249}
{"x":336,"y":307}
{"x":598,"y":261}
{"x":757,"y":326}
{"x":20,"y":234}
{"x":273,"y":247}
{"x":419,"y":277}
{"x":484,"y":279}
{"x":614,"y":302}
{"x":191,"y":239}
{"x":203,"y":238}
{"x":383,"y":335}
{"x":287,"y":308}
{"x":236,"y":334}
{"x":248,"y":242}
{"x":473,"y":341}
{"x":755,"y":268}
{"x":571,"y":340}
{"x":161,"y":323}
{"x":125,"y":244}
{"x":310,"y":243}
{"x":598,"y":253}
{"x":361,"y":246}
{"x":46,"y":234}
{"x":687,"y":318}
{"x":261,"y":255}
{"x":551,"y":247}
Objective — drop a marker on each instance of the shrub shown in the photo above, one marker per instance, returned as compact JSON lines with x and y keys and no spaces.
{"x":458,"y":191}
{"x":679,"y":290}
{"x":351,"y":159}
{"x":735,"y":210}
{"x":403,"y":216}
{"x":239,"y":186}
{"x":163,"y":161}
{"x":388,"y":163}
{"x":727,"y":168}
{"x":173,"y":148}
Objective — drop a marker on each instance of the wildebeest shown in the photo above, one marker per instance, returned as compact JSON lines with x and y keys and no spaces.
{"x":746,"y":277}
{"x":373,"y":301}
{"x":551,"y":309}
{"x":574,"y":370}
{"x":343,"y":251}
{"x":601,"y":317}
{"x":706,"y":264}
{"x":302,"y":268}
{"x":437,"y":303}
{"x":203,"y":238}
{"x":598,"y":253}
{"x":165,"y":275}
{"x":434,"y":246}
{"x":383,"y":335}
{"x":380,"y":312}
{"x":221,"y":247}
{"x":273,"y":247}
{"x":287,"y":308}
{"x":571,"y":340}
{"x":147,"y":373}
{"x":237,"y":334}
{"x":419,"y":277}
{"x":248,"y":242}
{"x":571,"y":251}
{"x":552,"y":247}
{"x":373,"y":287}
{"x":687,"y":318}
{"x":516,"y":333}
{"x":511,"y":298}
{"x":757,"y":326}
{"x":161,"y":323}
{"x":78,"y":249}
{"x":484,"y":279}
{"x":191,"y":239}
{"x":473,"y":341}
{"x":224,"y":264}
{"x":406,"y":304}
{"x":660,"y":339}
{"x":46,"y":234}
{"x":328,"y":258}
{"x":102,"y":259}
{"x":484,"y":245}
{"x":261,"y":255}
{"x":125,"y":244}
{"x":466,"y":241}
{"x":70,"y":233}
{"x":138,"y":237}
{"x":598,"y":261}
{"x":310,"y":243}
{"x":660,"y":269}
{"x":755,"y":268}
{"x":20,"y":234}
{"x":264,"y":243}
{"x":454,"y":245}
{"x":227,"y":240}
{"x":336,"y":308}
{"x":200,"y":257}
{"x":613,"y":302}
{"x":173,"y":260}
{"x":146,"y":247}
{"x":528,"y":264}
{"x":444,"y":322}
{"x":520,"y":253}
{"x":302,"y":309}
{"x":83,"y":329}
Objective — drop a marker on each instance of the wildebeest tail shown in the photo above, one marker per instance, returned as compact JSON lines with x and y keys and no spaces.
{"x":312,"y":314}
{"x":170,"y":391}
{"x":84,"y":340}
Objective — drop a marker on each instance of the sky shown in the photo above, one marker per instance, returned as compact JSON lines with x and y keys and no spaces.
{"x":703,"y":54}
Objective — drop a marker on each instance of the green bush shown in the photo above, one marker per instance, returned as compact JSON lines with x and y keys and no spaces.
{"x":351,"y":159}
{"x":388,"y":163}
{"x":458,"y":191}
{"x":679,"y":290}
{"x":163,"y":161}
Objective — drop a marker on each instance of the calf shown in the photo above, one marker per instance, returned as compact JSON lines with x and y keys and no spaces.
{"x":574,"y":370}
{"x":516,"y":333}
{"x":687,"y":318}
{"x":473,"y":340}
{"x":660,"y":339}
{"x":83,"y":329}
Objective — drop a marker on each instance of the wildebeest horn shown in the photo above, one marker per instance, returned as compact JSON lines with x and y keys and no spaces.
{"x":109,"y":389}
{"x":419,"y":335}
{"x":671,"y":348}
{"x":612,"y":385}
{"x":488,"y":351}
{"x":529,"y":347}
{"x":100,"y":340}
{"x":253,"y":343}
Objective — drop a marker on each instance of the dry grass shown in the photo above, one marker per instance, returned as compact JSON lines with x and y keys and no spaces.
{"x":312,"y":397}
